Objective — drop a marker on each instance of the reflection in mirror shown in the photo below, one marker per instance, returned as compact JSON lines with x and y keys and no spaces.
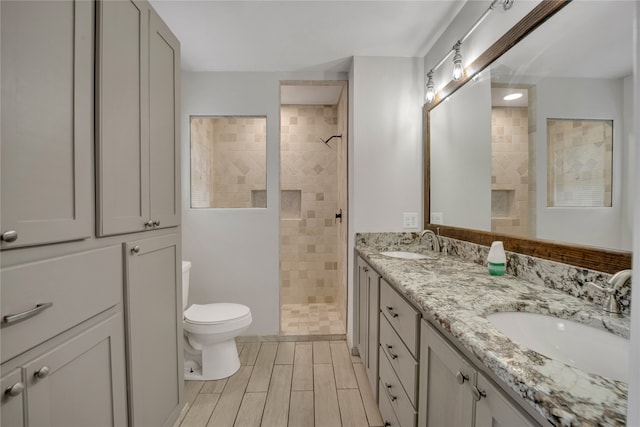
{"x":579,"y":163}
{"x":489,"y":153}
{"x":228,"y":162}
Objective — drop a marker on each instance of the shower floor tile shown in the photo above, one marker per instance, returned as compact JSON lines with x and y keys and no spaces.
{"x":311,"y":319}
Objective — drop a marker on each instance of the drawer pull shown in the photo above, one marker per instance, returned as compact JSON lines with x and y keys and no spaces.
{"x":15,"y":389}
{"x":135,"y":249}
{"x":42,"y":373}
{"x":388,"y":391}
{"x":366,"y":269}
{"x":387,"y":424}
{"x":15,"y":318}
{"x":9,"y":236}
{"x":477,"y":393}
{"x":156,"y":223}
{"x":148,"y":224}
{"x":393,"y":355}
{"x":461,"y":378}
{"x":391,"y":312}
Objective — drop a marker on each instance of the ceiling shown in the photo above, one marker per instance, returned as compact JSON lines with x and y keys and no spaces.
{"x":306,"y":35}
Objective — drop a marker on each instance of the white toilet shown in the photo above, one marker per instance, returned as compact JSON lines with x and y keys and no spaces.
{"x":210,"y":351}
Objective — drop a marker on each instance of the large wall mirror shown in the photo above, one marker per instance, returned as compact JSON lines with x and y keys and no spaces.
{"x":539,"y":145}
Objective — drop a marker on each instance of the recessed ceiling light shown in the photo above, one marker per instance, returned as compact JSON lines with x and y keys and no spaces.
{"x":513,"y":96}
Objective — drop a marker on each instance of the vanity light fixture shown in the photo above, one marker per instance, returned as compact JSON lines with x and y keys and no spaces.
{"x":512,"y":96}
{"x":431,"y":89}
{"x":458,"y":68}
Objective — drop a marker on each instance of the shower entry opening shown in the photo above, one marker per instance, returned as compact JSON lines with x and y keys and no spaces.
{"x":313,"y":208}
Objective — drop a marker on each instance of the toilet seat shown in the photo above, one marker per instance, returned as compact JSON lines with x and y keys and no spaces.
{"x":215,"y":313}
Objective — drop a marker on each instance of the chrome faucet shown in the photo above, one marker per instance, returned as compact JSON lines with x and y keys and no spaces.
{"x":433,"y":238}
{"x":610,"y":304}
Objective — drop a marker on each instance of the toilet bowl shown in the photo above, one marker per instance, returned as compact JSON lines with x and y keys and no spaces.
{"x":210,"y":351}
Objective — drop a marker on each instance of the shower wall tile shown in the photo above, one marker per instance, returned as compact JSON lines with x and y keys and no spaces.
{"x":510,"y":170}
{"x":228,"y":161}
{"x":308,"y":244}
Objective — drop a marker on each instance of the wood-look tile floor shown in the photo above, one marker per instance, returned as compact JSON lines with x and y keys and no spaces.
{"x":280,"y":384}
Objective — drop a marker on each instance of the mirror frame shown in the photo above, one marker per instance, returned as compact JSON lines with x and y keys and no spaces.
{"x":594,"y":258}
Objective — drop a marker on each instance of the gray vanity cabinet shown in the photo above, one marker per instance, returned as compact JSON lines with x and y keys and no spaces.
{"x":368,"y":321}
{"x":453,"y":392}
{"x":494,"y":409}
{"x":78,"y":382}
{"x":153,"y":307}
{"x":46,"y":121}
{"x":137,"y":116}
{"x":445,"y":383}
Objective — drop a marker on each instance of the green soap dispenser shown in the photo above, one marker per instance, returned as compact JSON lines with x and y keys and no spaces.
{"x":497,"y":260}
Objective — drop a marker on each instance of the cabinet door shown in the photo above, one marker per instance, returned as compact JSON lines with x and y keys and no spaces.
{"x":81,"y":382}
{"x":363,"y":307}
{"x":373,"y":320}
{"x":47,"y":99}
{"x":153,"y":297}
{"x":445,"y":383}
{"x":122,"y":148}
{"x":164,"y":91}
{"x":11,"y":413}
{"x":495,"y":410}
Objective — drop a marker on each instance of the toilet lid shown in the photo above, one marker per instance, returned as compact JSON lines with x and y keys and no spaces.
{"x":209,"y":314}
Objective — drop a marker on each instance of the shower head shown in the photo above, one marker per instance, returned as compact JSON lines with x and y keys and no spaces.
{"x":330,"y":138}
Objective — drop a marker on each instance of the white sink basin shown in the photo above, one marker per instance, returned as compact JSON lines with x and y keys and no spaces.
{"x":405,"y":255}
{"x":573,"y":343}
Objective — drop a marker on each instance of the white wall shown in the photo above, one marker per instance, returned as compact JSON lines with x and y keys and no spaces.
{"x":385,"y":127}
{"x":567,"y":98}
{"x":461,"y":157}
{"x":235,"y":252}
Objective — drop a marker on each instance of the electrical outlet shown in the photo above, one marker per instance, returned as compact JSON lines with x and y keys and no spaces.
{"x":436,"y":218}
{"x":410,"y":220}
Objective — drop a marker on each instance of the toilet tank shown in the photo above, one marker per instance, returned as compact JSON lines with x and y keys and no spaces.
{"x":186,"y":266}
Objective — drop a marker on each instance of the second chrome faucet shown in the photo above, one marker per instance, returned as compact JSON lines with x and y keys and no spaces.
{"x":610,"y":303}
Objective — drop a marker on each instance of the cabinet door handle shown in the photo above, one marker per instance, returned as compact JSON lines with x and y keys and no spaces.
{"x":477,"y":393}
{"x":391,"y":312}
{"x":9,"y":236}
{"x":42,"y":373}
{"x":135,"y":249}
{"x":156,"y":223}
{"x":461,"y":378}
{"x":387,"y":424}
{"x":15,"y":389}
{"x":148,"y":224}
{"x":387,"y":389}
{"x":366,"y":269}
{"x":15,"y":318}
{"x":392,"y":354}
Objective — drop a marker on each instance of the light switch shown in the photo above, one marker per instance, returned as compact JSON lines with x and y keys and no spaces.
{"x":410,"y":220}
{"x":436,"y":218}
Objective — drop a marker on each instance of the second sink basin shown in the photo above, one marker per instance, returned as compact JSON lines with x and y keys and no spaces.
{"x":405,"y":255}
{"x":573,"y":343}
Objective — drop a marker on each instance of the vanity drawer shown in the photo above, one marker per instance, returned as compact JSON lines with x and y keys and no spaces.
{"x":386,"y":410}
{"x":78,"y":287}
{"x":401,"y":315}
{"x":399,"y":358}
{"x":395,"y":393}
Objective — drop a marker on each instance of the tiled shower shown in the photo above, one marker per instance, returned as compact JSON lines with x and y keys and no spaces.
{"x":311,"y":285}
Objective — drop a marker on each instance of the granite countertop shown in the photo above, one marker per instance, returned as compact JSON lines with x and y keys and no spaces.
{"x":457,"y":295}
